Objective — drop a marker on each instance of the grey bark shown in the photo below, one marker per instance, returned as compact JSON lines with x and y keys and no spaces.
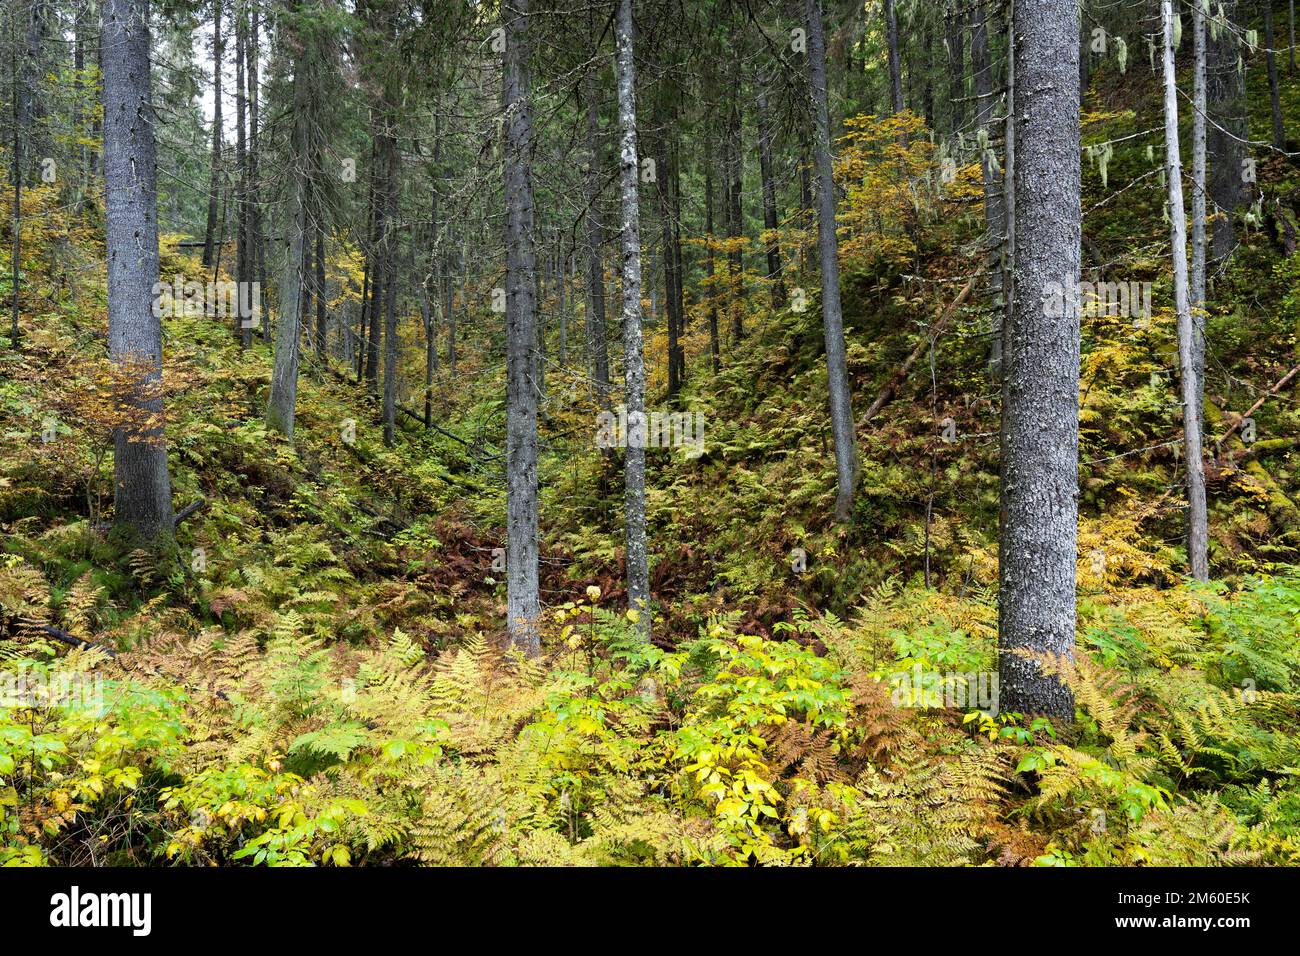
{"x":841,"y":405}
{"x":994,"y":208}
{"x":390,"y":356}
{"x":1197,"y":529}
{"x":1270,"y":60}
{"x":142,"y":487}
{"x":522,"y":598}
{"x":1198,"y":199}
{"x":282,"y":403}
{"x":214,"y":186}
{"x":638,"y":564}
{"x":769,"y":198}
{"x":956,"y":39}
{"x":710,"y":268}
{"x":1226,"y":133}
{"x":895,"y":70}
{"x":1040,"y":429}
{"x":596,"y":341}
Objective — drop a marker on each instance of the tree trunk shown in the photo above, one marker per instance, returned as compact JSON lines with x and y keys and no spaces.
{"x":1198,"y":200}
{"x":846,"y":454}
{"x":257,"y":255}
{"x":1197,"y":527}
{"x":956,"y":67}
{"x":895,"y":70}
{"x":596,"y":341}
{"x":322,"y":319}
{"x":994,"y":208}
{"x":391,"y":359}
{"x":672,"y":302}
{"x":638,"y":564}
{"x":283,"y":401}
{"x":522,"y":597}
{"x":379,"y":255}
{"x":16,"y":153}
{"x":1040,"y":434}
{"x":769,"y":200}
{"x":1270,"y":60}
{"x":734,"y":186}
{"x":710,"y":267}
{"x":242,"y":248}
{"x":214,"y":187}
{"x":1290,"y":50}
{"x":142,"y":498}
{"x":1227,"y":132}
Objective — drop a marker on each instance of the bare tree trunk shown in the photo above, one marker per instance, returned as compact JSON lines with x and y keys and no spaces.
{"x":1290,"y":51}
{"x":1270,"y":60}
{"x":19,"y":142}
{"x":994,"y":208}
{"x":390,"y":331}
{"x":710,"y":268}
{"x":769,"y":199}
{"x":283,"y":401}
{"x":1040,"y":433}
{"x":142,"y":499}
{"x":638,"y":563}
{"x":322,"y":321}
{"x":1227,"y":131}
{"x":257,"y":255}
{"x":1198,"y":200}
{"x":895,"y":70}
{"x":242,"y":250}
{"x":672,"y":301}
{"x":522,"y":597}
{"x":1197,"y":526}
{"x":956,"y":67}
{"x":380,"y":259}
{"x":841,"y":405}
{"x":734,"y":191}
{"x":596,"y":342}
{"x":214,"y":188}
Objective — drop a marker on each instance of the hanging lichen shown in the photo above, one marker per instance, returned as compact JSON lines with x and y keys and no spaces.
{"x":1103,"y":161}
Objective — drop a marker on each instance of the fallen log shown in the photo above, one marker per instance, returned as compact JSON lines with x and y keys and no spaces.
{"x":891,"y":387}
{"x":188,"y":510}
{"x":1277,"y":387}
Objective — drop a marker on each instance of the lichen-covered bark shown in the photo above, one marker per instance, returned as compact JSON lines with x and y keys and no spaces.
{"x":522,"y":603}
{"x":142,"y":487}
{"x":638,"y":562}
{"x":841,"y":405}
{"x":1197,"y":528}
{"x":1040,"y":433}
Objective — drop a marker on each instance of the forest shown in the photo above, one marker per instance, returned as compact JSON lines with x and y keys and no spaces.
{"x":649,"y":433}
